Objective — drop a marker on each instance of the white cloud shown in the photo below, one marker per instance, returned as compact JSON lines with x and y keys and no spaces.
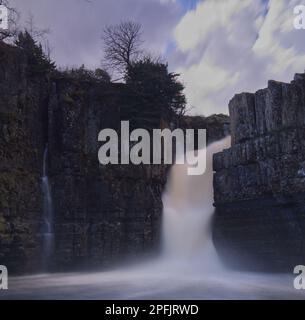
{"x":215,"y":79}
{"x":229,"y":46}
{"x":196,"y":25}
{"x":270,"y":43}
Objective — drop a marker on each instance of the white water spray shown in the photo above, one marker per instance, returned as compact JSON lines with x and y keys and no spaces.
{"x":47,"y":229}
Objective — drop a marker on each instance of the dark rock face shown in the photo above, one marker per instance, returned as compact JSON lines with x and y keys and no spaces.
{"x":102,"y":214}
{"x":22,"y":119}
{"x":259,"y":183}
{"x":217,"y":126}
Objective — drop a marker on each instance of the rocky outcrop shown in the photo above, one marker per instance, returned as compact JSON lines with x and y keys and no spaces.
{"x":259,"y":184}
{"x":102,"y":214}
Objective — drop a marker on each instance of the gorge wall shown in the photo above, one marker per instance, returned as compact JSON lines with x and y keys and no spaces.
{"x":23,"y":105}
{"x":259,"y":183}
{"x":102,"y":214}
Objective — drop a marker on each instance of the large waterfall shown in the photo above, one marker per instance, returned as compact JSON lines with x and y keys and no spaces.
{"x":47,"y":228}
{"x":188,"y":209}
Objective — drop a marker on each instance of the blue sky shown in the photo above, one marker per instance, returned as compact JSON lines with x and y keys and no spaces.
{"x":220,"y":47}
{"x":188,"y":4}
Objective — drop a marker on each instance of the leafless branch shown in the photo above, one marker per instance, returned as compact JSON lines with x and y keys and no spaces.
{"x":122,"y":44}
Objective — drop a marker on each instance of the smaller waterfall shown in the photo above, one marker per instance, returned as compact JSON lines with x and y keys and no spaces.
{"x":47,"y":228}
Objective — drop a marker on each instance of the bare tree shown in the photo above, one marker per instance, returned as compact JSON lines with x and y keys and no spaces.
{"x":36,"y":33}
{"x":13,"y":17}
{"x":122,"y":45}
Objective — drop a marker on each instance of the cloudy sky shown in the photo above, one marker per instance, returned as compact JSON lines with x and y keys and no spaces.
{"x":220,"y":47}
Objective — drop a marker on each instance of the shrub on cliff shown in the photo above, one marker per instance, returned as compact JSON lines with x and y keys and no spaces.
{"x":83,"y":74}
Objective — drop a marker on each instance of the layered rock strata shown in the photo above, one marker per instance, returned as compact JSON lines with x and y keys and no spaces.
{"x":259,"y":183}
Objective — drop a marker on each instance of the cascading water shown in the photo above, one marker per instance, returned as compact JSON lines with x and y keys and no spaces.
{"x":188,"y":267}
{"x":47,"y":228}
{"x":188,"y":208}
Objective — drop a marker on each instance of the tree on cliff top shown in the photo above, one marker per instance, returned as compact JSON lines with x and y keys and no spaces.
{"x":38,"y":60}
{"x":154,"y":92}
{"x":157,"y":92}
{"x":122,"y":45}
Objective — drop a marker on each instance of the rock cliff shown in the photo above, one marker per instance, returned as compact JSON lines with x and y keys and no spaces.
{"x":23,"y":105}
{"x":259,"y":183}
{"x":102,"y":214}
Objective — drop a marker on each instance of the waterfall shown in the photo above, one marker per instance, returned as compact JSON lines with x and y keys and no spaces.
{"x":47,"y":228}
{"x":188,"y":209}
